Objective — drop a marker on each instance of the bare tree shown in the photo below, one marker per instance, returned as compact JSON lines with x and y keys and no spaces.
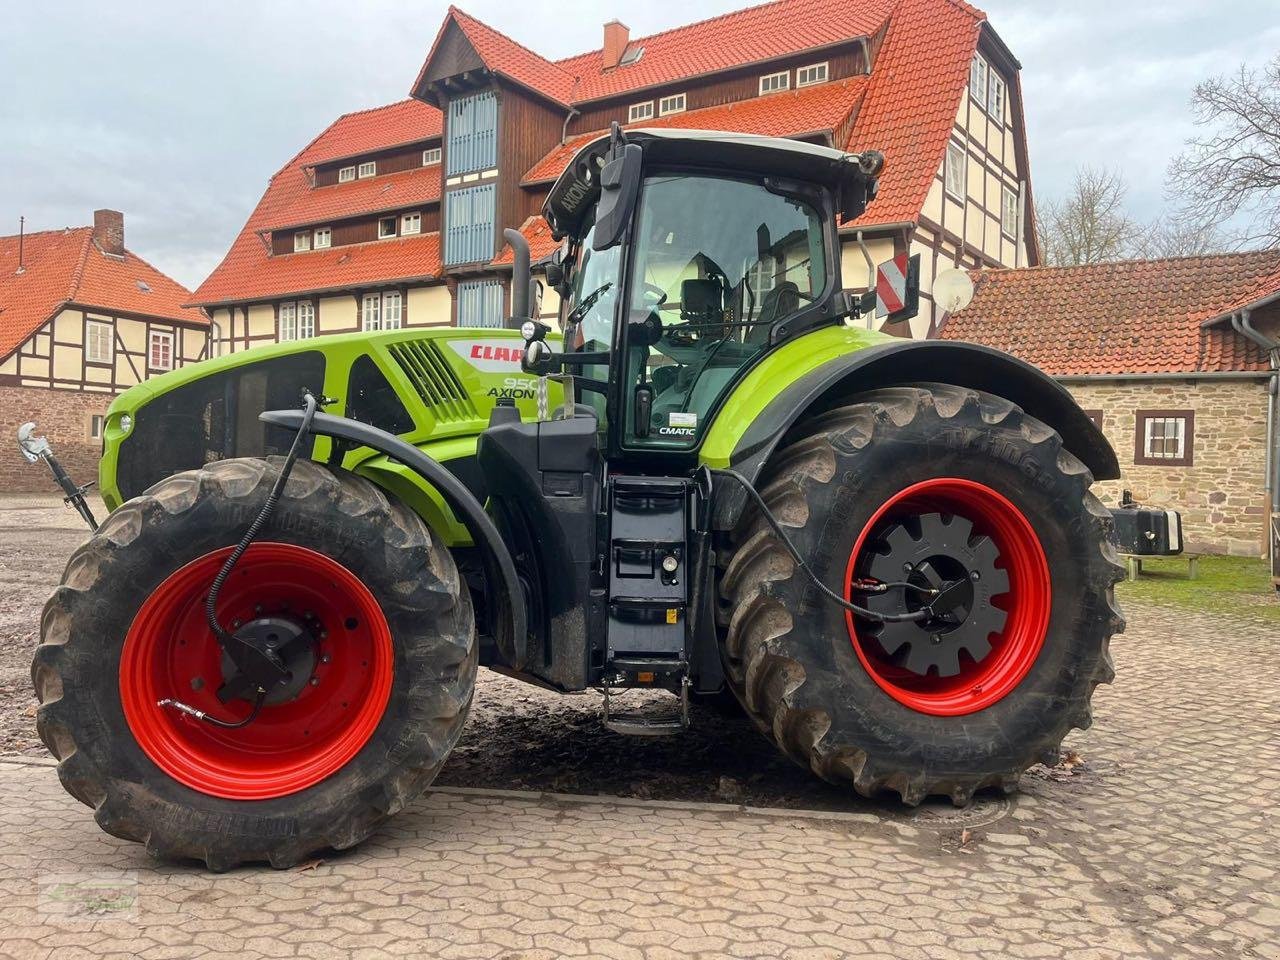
{"x":1089,"y":225}
{"x":1177,"y":237}
{"x":1234,"y":168}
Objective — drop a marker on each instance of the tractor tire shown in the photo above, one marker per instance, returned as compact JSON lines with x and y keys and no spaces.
{"x":887,"y":477}
{"x":391,"y":669}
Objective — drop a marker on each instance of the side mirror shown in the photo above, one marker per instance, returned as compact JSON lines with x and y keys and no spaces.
{"x":619,"y":187}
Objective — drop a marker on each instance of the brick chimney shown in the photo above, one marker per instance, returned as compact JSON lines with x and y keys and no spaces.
{"x":108,"y":231}
{"x":616,"y":37}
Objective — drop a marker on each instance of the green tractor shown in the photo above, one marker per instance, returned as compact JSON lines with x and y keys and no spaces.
{"x":714,"y":478}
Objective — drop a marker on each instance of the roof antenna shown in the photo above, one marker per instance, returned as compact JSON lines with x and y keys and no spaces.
{"x":22,"y":229}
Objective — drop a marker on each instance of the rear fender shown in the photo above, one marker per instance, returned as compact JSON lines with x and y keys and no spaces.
{"x":837,"y":380}
{"x":504,"y":596}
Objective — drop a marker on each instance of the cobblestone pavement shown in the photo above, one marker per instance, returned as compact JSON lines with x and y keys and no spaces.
{"x":1161,"y":841}
{"x":1157,"y":836}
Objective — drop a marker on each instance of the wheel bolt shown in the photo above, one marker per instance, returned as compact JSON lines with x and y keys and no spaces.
{"x":937,"y":638}
{"x":975,"y":576}
{"x":325,"y":658}
{"x":906,"y":568}
{"x":315,"y":681}
{"x":258,"y":609}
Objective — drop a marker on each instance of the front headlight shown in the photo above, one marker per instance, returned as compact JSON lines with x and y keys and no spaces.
{"x":126,"y":423}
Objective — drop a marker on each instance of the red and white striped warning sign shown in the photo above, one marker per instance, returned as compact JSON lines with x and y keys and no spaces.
{"x":891,"y":285}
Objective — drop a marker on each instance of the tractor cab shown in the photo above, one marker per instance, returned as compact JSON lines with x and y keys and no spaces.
{"x":690,"y":254}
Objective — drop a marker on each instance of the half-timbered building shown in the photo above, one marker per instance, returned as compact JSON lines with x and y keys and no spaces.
{"x":409,"y":200}
{"x":82,"y":318}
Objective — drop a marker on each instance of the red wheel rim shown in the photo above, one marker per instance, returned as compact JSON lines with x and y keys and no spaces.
{"x":1027,"y":601}
{"x":170,"y":652}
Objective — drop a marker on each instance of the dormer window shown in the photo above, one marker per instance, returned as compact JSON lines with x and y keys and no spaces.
{"x":323,"y":238}
{"x":346,"y":174}
{"x":672,"y":104}
{"x":640,"y":111}
{"x":814,"y":73}
{"x":411,"y":223}
{"x":386,"y":228}
{"x":367,"y":169}
{"x":773,"y":82}
{"x":301,"y":241}
{"x":430,"y":157}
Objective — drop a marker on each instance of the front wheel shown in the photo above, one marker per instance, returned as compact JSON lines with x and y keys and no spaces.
{"x":349,"y":588}
{"x":981,"y":524}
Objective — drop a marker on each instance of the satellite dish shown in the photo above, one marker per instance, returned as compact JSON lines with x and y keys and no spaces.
{"x":952,"y":290}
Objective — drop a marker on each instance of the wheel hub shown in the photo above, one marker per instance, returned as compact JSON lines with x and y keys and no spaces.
{"x":285,"y":646}
{"x":951,"y":575}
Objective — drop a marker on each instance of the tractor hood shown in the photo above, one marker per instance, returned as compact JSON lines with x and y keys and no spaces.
{"x":428,"y":386}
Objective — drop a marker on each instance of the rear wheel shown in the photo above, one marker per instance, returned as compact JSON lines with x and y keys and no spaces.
{"x":982,"y":521}
{"x":350,"y":589}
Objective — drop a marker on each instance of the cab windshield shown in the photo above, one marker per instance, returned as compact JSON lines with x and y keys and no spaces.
{"x":716,"y":263}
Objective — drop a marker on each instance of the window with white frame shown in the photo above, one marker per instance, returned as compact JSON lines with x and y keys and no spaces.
{"x":323,"y":238}
{"x":978,"y":79}
{"x":367,"y":169}
{"x":1164,"y":437}
{"x":672,"y":104}
{"x":995,"y":97}
{"x":773,"y":82}
{"x":411,"y":223}
{"x":371,"y":312}
{"x":346,"y":174}
{"x":297,"y":320}
{"x":814,"y":73}
{"x":381,"y":311}
{"x":97,"y":423}
{"x":1008,"y":212}
{"x":430,"y":156}
{"x":640,"y":111}
{"x":160,"y":350}
{"x":955,"y":169}
{"x":98,"y":345}
{"x":391,"y":314}
{"x":386,"y":228}
{"x":301,"y":241}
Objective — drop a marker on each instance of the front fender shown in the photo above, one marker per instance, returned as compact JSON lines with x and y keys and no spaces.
{"x":833,"y":380}
{"x":506,"y":598}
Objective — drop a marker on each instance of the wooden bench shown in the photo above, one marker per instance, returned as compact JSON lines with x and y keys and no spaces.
{"x":1133,"y":564}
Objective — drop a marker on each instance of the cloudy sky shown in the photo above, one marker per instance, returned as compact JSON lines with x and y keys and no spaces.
{"x":177,"y":112}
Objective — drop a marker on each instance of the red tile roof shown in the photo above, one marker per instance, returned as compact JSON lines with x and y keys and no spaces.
{"x":910,"y":107}
{"x":811,"y":110}
{"x":66,"y":266}
{"x":396,"y":124}
{"x":736,"y":39}
{"x":906,"y":108}
{"x":1137,"y":316}
{"x":420,"y":186}
{"x":248,"y":272}
{"x":743,"y":37}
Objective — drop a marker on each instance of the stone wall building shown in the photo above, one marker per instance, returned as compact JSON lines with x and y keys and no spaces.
{"x":1170,"y":358}
{"x":81,"y":318}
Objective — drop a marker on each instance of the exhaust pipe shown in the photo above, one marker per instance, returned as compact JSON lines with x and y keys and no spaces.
{"x":520,"y":278}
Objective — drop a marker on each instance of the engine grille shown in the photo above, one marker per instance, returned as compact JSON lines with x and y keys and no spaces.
{"x":434,"y":380}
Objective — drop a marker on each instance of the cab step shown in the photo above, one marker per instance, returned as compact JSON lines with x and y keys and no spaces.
{"x":641,"y":673}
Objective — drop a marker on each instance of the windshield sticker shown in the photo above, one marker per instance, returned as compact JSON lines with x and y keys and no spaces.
{"x":681,"y":419}
{"x":490,"y":356}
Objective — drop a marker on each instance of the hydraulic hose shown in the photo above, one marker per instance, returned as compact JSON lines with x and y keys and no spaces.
{"x":804,"y":567}
{"x":260,"y":521}
{"x":226,"y":639}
